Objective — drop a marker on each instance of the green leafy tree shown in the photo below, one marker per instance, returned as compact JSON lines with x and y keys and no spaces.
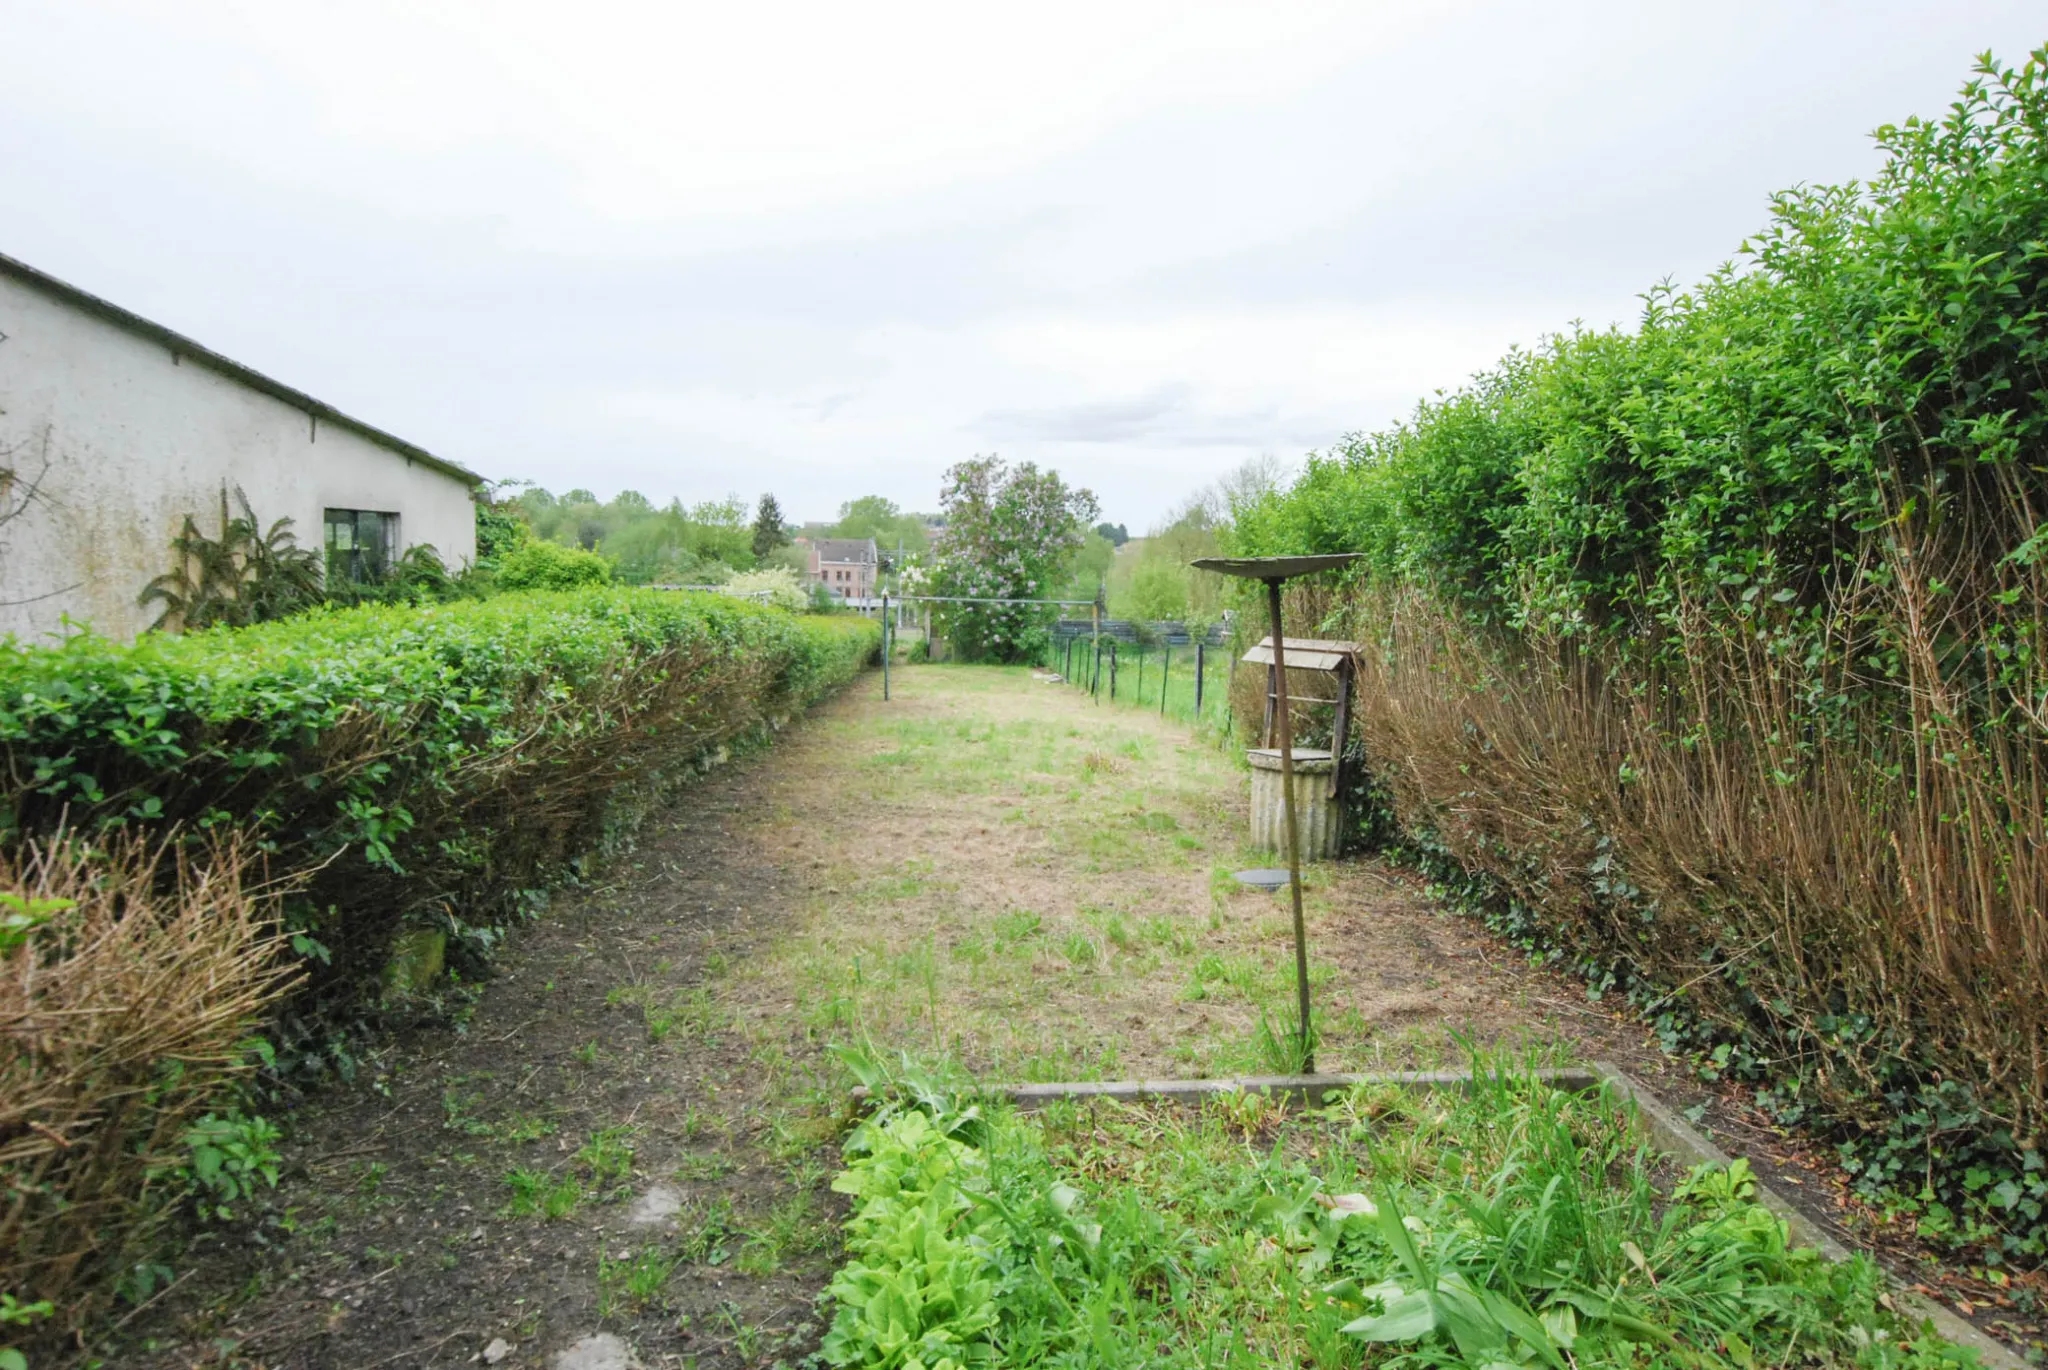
{"x":723,"y":530}
{"x":501,"y":523}
{"x":1011,"y":533}
{"x":770,"y":532}
{"x":872,"y":516}
{"x":1089,"y":572}
{"x":1158,"y":593}
{"x":1152,"y":579}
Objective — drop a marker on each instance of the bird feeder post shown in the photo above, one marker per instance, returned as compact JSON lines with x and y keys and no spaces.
{"x":1273,"y":572}
{"x":1095,"y":640}
{"x":1308,"y":1051}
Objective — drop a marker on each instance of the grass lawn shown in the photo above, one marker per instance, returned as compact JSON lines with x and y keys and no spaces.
{"x":1040,"y":887}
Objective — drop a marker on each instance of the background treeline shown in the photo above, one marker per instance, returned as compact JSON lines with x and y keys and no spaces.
{"x":1713,"y":656}
{"x":633,"y":541}
{"x":1149,"y":578}
{"x":699,"y":544}
{"x":193,"y":823}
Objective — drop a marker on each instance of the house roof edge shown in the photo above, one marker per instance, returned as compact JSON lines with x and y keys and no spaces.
{"x":183,"y":346}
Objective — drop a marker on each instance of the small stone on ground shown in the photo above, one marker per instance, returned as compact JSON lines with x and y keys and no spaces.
{"x":656,"y":1206}
{"x":599,"y":1351}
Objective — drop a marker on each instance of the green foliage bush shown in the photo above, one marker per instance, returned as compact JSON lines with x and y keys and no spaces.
{"x":920,"y":1286}
{"x":550,"y":566}
{"x":249,"y":574}
{"x":773,"y":585}
{"x":499,"y":527}
{"x":427,"y":766}
{"x":1507,"y":1225}
{"x":1881,"y":351}
{"x":226,"y":1155}
{"x":1777,"y":555}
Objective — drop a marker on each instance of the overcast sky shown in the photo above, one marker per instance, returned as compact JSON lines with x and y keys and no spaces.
{"x":826,"y":250}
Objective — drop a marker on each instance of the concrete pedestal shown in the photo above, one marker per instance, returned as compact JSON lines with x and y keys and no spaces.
{"x":1321,"y":817}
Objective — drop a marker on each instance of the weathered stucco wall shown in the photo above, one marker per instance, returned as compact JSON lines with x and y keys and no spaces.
{"x":124,"y":437}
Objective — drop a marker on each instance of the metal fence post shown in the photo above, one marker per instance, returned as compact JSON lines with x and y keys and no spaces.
{"x":1165,"y":674}
{"x":1201,"y":663}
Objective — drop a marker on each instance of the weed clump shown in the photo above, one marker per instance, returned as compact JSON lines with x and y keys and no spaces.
{"x":1512,"y":1225}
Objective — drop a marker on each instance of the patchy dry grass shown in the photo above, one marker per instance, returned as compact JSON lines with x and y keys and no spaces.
{"x":1041,"y":887}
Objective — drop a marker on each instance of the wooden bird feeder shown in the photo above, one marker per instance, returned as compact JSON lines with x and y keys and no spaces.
{"x":1309,"y":654}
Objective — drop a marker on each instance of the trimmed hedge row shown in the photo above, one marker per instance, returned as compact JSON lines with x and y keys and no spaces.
{"x":1715,"y":653}
{"x":410,"y":766}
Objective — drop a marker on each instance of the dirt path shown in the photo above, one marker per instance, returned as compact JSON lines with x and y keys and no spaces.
{"x":627,"y":1147}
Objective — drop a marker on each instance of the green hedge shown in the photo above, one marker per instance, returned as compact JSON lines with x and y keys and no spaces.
{"x":415,"y":766}
{"x":1878,"y":353}
{"x":1780,"y":548}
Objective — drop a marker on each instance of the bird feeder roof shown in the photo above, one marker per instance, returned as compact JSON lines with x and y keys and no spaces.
{"x":1304,"y":653}
{"x":1274,"y":568}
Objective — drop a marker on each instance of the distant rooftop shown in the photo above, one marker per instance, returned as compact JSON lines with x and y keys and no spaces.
{"x":845,"y":549}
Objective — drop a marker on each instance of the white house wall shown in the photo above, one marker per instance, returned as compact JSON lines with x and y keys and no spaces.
{"x":125,"y":438}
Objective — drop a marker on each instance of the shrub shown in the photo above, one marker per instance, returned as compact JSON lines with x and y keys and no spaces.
{"x":499,"y":527}
{"x":1011,"y":534}
{"x":420,"y":766}
{"x":129,"y":980}
{"x":1716,"y":650}
{"x":418,"y":577}
{"x":773,"y":585}
{"x":249,"y":574}
{"x":540,"y":565}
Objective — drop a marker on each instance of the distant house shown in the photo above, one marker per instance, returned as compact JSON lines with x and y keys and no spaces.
{"x":113,"y":429}
{"x":848,"y":567}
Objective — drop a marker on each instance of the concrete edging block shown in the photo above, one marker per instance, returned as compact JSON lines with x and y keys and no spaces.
{"x":1309,"y":1088}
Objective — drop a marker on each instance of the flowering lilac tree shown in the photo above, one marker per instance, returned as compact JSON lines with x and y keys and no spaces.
{"x":1011,"y":533}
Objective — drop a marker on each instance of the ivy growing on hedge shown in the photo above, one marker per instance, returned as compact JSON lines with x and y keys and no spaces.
{"x":411,"y":766}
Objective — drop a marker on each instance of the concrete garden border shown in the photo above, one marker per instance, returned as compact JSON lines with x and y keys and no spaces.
{"x":1666,"y":1128}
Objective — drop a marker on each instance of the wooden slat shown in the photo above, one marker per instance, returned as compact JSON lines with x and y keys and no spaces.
{"x":1304,"y":653}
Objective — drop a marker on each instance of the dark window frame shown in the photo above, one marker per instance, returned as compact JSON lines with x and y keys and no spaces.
{"x":361,"y":544}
